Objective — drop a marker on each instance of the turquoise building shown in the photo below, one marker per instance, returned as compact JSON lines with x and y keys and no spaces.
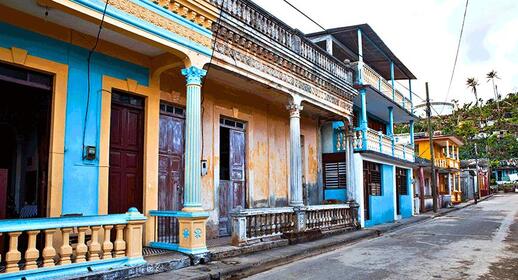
{"x":380,"y":166}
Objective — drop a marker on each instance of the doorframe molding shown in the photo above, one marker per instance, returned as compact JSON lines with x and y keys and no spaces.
{"x":20,"y":58}
{"x":150,"y":153}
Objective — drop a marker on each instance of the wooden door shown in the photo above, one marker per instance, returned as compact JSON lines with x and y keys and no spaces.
{"x":232,"y":191}
{"x":366,"y":195}
{"x":126,"y":153}
{"x":171,"y":162}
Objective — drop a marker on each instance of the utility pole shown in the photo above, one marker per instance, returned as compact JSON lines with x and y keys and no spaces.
{"x":432,"y":158}
{"x":475,"y":188}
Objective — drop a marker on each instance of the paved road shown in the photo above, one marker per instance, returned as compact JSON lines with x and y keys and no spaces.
{"x":478,"y":242}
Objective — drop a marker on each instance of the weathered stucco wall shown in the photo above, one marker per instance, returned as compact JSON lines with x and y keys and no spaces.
{"x":267,"y":144}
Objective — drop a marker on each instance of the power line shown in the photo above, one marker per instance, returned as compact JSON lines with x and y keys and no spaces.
{"x":316,"y":23}
{"x":308,"y":17}
{"x":457,"y":53}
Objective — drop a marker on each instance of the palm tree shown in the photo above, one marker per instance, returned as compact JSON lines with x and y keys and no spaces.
{"x":491,"y":76}
{"x":473,"y":84}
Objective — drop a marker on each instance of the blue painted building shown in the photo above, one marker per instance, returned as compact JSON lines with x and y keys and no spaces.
{"x":378,"y":170}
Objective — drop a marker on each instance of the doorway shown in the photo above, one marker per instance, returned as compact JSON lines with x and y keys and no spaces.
{"x":25,"y":113}
{"x":401,"y":186}
{"x":126,"y":153}
{"x":232,"y":180}
{"x":171,"y":157}
{"x":371,"y":184}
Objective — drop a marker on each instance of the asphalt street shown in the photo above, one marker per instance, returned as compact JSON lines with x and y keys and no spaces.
{"x":477,"y":242}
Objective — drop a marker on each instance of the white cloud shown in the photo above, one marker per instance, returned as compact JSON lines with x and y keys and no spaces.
{"x":424,"y":34}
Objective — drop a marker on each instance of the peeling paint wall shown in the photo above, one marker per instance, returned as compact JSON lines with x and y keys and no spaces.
{"x":267,"y":144}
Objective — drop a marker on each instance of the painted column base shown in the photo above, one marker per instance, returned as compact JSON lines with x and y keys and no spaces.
{"x":193,"y":235}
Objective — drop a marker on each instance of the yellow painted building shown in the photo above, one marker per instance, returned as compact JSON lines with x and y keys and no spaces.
{"x":447,"y":164}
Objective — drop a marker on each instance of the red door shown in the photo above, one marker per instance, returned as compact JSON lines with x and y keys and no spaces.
{"x":232,"y":185}
{"x":171,"y":161}
{"x":126,"y":145}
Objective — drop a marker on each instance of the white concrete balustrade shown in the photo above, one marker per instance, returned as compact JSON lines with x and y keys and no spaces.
{"x":260,"y":224}
{"x":371,"y":77}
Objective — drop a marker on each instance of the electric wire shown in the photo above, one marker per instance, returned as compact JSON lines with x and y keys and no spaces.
{"x":89,"y":60}
{"x":457,"y":52}
{"x":208,"y":68}
{"x":305,"y":15}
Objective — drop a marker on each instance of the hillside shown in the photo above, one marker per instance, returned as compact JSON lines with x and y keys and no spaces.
{"x":493,"y":129}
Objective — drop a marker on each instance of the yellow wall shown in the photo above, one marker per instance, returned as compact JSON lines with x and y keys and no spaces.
{"x":267,"y":144}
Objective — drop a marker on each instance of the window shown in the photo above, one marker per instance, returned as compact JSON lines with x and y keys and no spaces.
{"x":402,"y":181}
{"x":172,"y":110}
{"x":335,"y":174}
{"x":372,"y":177}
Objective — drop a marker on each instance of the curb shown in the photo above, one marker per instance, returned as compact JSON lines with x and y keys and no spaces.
{"x":243,"y":266}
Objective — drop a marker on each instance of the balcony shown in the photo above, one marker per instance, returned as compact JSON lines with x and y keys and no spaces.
{"x":370,"y":77}
{"x":446,"y":163}
{"x":376,"y":141}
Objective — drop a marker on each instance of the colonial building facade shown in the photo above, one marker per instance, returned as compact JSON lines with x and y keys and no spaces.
{"x":447,"y":170}
{"x":133,"y":123}
{"x":381,"y":167}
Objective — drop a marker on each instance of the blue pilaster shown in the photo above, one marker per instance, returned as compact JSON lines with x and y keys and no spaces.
{"x":363,"y":117}
{"x":412,"y":132}
{"x":392,"y":80}
{"x":360,"y":57}
{"x":390,"y":128}
{"x":192,"y":192}
{"x":410,"y":96}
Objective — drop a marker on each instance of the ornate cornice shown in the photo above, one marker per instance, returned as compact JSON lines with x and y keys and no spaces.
{"x":341,"y":99}
{"x":193,"y":12}
{"x":158,"y":20}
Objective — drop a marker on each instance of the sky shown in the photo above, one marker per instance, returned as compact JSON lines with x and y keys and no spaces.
{"x":424,"y":34}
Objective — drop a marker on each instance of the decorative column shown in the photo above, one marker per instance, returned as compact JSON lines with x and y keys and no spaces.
{"x":192,"y":220}
{"x":412,"y":133}
{"x":294,"y":108}
{"x":392,"y":80}
{"x":363,"y":117}
{"x":390,"y":130}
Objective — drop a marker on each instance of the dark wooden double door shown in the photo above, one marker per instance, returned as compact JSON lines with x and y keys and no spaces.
{"x":232,"y":183}
{"x":126,"y":153}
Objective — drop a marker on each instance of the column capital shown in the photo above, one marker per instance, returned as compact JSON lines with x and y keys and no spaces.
{"x":294,"y":108}
{"x":194,"y":75}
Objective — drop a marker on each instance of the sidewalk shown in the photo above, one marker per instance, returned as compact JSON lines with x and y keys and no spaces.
{"x":250,"y":264}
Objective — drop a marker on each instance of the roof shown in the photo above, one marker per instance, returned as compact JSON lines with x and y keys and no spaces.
{"x":452,"y":138}
{"x":375,"y":52}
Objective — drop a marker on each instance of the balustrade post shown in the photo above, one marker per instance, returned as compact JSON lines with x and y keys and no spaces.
{"x":238,"y":229}
{"x":300,"y":219}
{"x":119,"y":245}
{"x":94,"y":249}
{"x":107,"y":244}
{"x":49,"y":252}
{"x":13,"y":256}
{"x":32,"y":253}
{"x":66,"y":250}
{"x":133,"y":236}
{"x":81,"y":247}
